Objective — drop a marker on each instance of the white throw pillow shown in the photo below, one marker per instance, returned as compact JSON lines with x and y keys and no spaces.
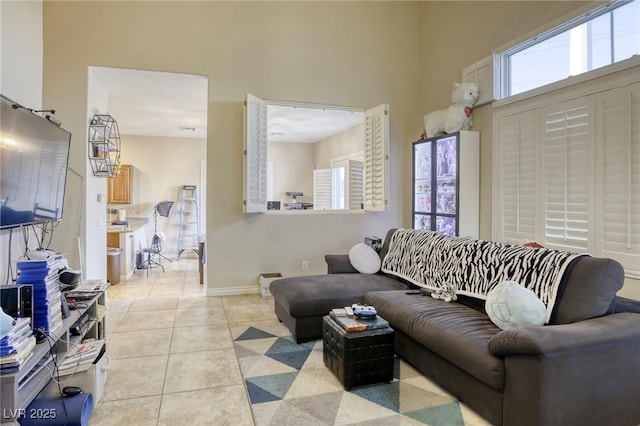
{"x":510,"y":305}
{"x":365,"y":259}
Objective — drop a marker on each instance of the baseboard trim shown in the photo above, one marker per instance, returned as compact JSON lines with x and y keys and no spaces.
{"x":232,"y":291}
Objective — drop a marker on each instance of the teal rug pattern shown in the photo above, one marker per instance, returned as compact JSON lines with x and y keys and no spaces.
{"x":288,"y":384}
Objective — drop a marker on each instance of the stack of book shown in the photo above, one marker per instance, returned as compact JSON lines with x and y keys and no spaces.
{"x":351,"y":323}
{"x":47,"y":297}
{"x":80,"y":357}
{"x":16,"y":347}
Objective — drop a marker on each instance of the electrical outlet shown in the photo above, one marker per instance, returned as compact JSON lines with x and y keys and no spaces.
{"x":305,"y":265}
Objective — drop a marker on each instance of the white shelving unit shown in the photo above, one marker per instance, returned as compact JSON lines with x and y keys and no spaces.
{"x":19,"y":389}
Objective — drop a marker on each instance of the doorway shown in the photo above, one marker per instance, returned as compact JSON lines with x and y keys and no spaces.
{"x":162,"y":121}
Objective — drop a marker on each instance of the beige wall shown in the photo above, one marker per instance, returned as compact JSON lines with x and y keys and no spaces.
{"x":344,"y":143}
{"x":457,"y":34}
{"x":343,"y":53}
{"x":321,"y":52}
{"x":476,"y":29}
{"x":161,"y":166}
{"x":292,"y":170}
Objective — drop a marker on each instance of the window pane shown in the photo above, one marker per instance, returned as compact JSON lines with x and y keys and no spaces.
{"x":600,"y":47}
{"x":626,"y":30}
{"x":541,"y":64}
{"x":595,"y":43}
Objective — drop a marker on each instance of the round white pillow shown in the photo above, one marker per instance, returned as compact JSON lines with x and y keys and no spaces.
{"x":510,"y":305}
{"x":364,"y":259}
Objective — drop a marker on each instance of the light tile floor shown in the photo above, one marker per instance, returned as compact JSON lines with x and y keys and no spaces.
{"x":171,"y":349}
{"x":172,"y":358}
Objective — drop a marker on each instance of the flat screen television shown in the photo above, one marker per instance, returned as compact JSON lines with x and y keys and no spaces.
{"x":34,"y":155}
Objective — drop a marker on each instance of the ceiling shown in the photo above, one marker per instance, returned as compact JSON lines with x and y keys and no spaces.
{"x":152,"y":103}
{"x":286,"y":123}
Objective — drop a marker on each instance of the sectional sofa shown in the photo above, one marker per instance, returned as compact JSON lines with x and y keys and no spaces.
{"x":582,"y":367}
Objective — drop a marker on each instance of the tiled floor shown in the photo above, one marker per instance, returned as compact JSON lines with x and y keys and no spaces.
{"x":172,"y":357}
{"x":171,"y":349}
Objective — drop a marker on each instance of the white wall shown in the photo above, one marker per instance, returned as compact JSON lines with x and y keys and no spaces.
{"x":21,"y":81}
{"x":21,"y":52}
{"x":95,"y":231}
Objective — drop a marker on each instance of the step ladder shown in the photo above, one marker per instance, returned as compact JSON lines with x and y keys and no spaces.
{"x":188,"y":215}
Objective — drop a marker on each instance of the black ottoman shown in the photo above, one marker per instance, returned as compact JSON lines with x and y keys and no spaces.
{"x":301,"y":302}
{"x":357,"y":358}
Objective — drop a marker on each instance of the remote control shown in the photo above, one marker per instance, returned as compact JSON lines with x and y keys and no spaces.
{"x":349,"y":311}
{"x":364,"y":311}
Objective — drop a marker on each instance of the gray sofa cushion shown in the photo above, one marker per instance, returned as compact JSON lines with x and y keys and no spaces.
{"x":456,"y":332}
{"x":314,"y":295}
{"x":589,"y":291}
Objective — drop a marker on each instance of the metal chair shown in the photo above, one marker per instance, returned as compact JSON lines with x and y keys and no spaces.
{"x":152,"y":253}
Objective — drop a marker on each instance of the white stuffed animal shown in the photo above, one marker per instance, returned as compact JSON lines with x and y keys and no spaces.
{"x":457,"y":116}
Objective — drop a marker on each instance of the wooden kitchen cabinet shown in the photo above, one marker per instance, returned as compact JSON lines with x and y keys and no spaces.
{"x":119,"y":187}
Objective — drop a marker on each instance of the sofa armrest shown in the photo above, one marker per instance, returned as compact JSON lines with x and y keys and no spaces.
{"x":554,"y":339}
{"x":584,"y":373}
{"x":339,"y":264}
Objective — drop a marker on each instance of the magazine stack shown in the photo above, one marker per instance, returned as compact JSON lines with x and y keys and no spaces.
{"x":47,"y":297}
{"x":81,"y":357}
{"x":16,"y":347}
{"x":349,"y":322}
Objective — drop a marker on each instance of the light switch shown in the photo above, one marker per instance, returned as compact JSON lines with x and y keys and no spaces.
{"x":99,"y":198}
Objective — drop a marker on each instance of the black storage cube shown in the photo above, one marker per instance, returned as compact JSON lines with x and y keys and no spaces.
{"x":357,"y":358}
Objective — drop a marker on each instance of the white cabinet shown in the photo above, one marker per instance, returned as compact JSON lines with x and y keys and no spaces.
{"x":129,"y":242}
{"x":18,"y":389}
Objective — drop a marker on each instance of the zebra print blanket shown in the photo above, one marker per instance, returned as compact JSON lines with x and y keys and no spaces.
{"x":431,"y":260}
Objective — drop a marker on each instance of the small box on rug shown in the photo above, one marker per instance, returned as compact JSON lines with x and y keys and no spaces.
{"x":358,"y":358}
{"x":265,"y":282}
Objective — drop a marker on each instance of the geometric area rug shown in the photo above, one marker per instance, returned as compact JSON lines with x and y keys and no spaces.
{"x":288,"y":384}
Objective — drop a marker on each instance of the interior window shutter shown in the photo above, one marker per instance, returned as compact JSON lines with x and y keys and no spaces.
{"x":518,"y":138}
{"x":322,"y":189}
{"x":567,"y":167}
{"x":255,"y":155}
{"x":354,"y":188}
{"x":376,"y":158}
{"x":618,"y":168}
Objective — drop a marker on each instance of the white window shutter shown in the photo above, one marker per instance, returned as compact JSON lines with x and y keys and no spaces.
{"x":322,"y":189}
{"x":618,"y":166}
{"x":481,"y":73}
{"x":567,"y":168}
{"x":354,"y":186}
{"x":517,"y":161}
{"x":255,"y":155}
{"x":376,"y":158}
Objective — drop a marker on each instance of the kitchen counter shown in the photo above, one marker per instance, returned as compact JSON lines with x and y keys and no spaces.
{"x":134,"y":223}
{"x":122,"y":228}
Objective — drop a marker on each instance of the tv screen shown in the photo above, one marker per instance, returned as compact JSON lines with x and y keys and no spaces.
{"x":34,"y":154}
